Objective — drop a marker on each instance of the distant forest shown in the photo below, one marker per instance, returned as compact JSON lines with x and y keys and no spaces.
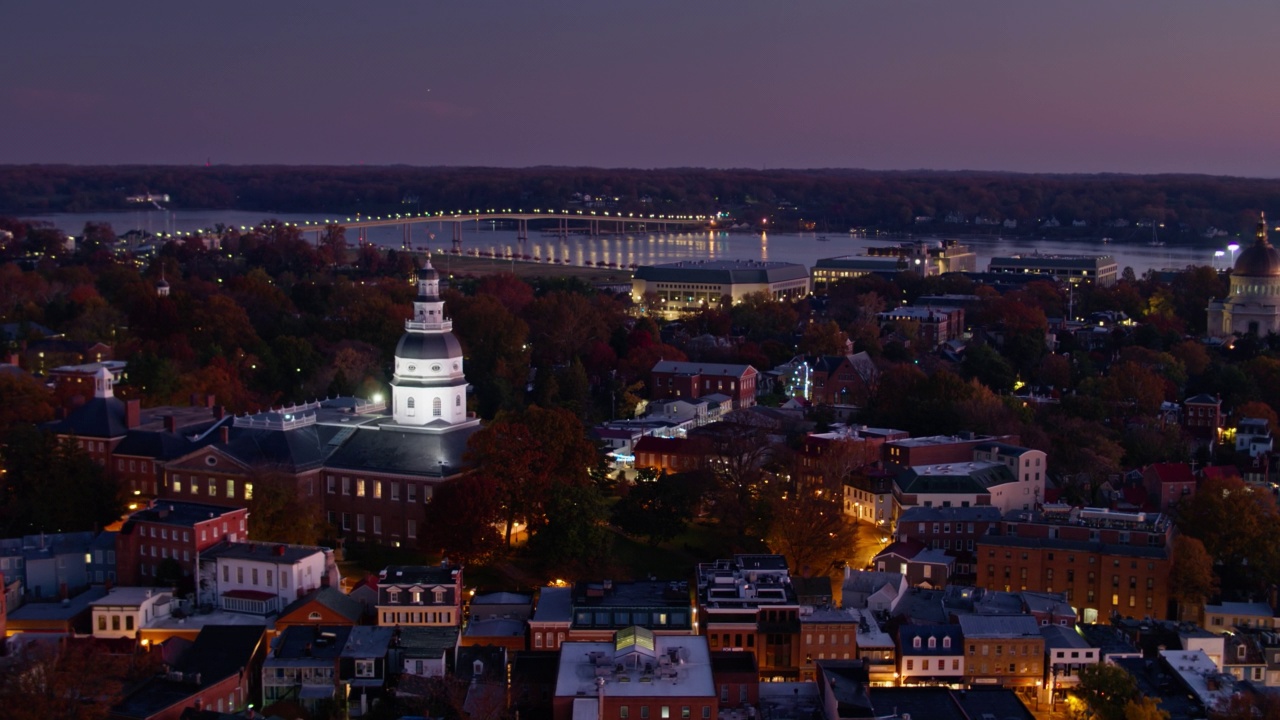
{"x":832,"y":200}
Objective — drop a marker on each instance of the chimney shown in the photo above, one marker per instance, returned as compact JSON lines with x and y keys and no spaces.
{"x":133,"y":414}
{"x":280,"y":550}
{"x":219,"y":412}
{"x":170,"y":424}
{"x":210,"y":400}
{"x":224,"y":434}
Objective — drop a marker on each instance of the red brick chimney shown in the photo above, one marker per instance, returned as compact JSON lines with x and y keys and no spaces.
{"x":224,"y":434}
{"x":170,"y":423}
{"x":132,"y":414}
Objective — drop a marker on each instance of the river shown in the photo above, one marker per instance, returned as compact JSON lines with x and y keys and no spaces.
{"x":654,"y":248}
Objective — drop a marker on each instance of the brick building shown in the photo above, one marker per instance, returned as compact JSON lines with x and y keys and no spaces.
{"x":1003,"y":649}
{"x":688,"y":380}
{"x":171,"y":530}
{"x":827,"y":633}
{"x":748,"y":604}
{"x":1107,"y":562}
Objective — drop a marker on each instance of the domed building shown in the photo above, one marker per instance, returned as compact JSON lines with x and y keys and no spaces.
{"x":1253,"y":303}
{"x":428,"y":389}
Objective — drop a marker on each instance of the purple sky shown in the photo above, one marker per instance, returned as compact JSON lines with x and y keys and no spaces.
{"x":1023,"y":85}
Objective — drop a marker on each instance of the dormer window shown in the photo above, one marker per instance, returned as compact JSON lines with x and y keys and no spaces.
{"x":916,"y":642}
{"x":946,"y":642}
{"x":933,"y":642}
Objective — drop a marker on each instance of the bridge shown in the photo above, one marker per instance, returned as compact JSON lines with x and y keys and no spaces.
{"x":565,"y":222}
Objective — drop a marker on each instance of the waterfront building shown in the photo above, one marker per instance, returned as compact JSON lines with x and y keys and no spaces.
{"x":1097,"y":269}
{"x":1252,"y":304}
{"x":920,"y":256}
{"x":696,"y":284}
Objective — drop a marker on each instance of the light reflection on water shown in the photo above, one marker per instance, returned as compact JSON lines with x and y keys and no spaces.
{"x":490,"y":239}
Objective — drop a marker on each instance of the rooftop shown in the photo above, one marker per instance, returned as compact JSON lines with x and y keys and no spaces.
{"x":184,"y":514}
{"x":266,"y":552}
{"x":131,"y":597}
{"x":999,"y":626}
{"x":651,"y":666}
{"x":419,"y":574}
{"x":555,"y":604}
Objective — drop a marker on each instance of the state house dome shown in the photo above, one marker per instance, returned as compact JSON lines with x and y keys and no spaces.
{"x":421,"y":346}
{"x":1260,"y":259}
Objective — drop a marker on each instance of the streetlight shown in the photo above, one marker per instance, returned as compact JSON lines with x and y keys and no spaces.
{"x":1217,"y":254}
{"x":1233,"y":247}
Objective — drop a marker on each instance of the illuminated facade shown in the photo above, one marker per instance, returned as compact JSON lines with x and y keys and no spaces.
{"x":1252,"y":304}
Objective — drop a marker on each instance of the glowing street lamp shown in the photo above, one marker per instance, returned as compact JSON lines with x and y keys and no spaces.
{"x":1233,"y":247}
{"x":1217,"y":256}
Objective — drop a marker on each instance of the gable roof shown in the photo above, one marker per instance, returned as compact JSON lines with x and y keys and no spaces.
{"x":331,"y":598}
{"x":97,"y":418}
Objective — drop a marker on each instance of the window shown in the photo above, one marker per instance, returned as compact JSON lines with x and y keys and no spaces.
{"x":684,"y":712}
{"x":665,"y":712}
{"x":409,"y":405}
{"x":377,"y":489}
{"x":102,"y":623}
{"x":284,"y":579}
{"x":623,"y":711}
{"x":231,"y":488}
{"x":359,"y":522}
{"x":330,"y":483}
{"x":255,"y":576}
{"x":411,"y":491}
{"x":128,"y":625}
{"x":411,"y":528}
{"x":115,"y":622}
{"x":213,"y":487}
{"x":435,"y":407}
{"x":911,"y":664}
{"x":395,"y":491}
{"x":359,"y":487}
{"x":644,"y":712}
{"x":365,"y":669}
{"x":248,"y":491}
{"x":377,"y":524}
{"x":346,"y":486}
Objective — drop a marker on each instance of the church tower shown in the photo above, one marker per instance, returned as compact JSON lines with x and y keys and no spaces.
{"x":429,"y":389}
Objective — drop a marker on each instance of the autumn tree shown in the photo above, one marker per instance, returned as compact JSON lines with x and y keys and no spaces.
{"x":570,"y":538}
{"x":823,"y":338}
{"x":1191,"y":581}
{"x":62,"y":679}
{"x":53,"y":486}
{"x":528,"y":453}
{"x":280,"y":513}
{"x":462,"y":520}
{"x":1106,"y":690}
{"x":808,"y":527}
{"x":1234,"y":521}
{"x":657,"y":506}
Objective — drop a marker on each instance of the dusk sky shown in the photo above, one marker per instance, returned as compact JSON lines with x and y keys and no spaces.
{"x":1021,"y":85}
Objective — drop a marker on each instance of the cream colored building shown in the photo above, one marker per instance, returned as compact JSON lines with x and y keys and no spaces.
{"x":695,"y":284}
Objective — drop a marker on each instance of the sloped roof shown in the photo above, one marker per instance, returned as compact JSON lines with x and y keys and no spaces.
{"x":387,"y":448}
{"x":1172,"y":472}
{"x":97,"y":418}
{"x":695,"y":368}
{"x":331,"y":598}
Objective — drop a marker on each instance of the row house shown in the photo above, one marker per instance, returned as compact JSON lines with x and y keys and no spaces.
{"x":922,"y":566}
{"x":420,"y":595}
{"x":123,"y":611}
{"x":1003,"y":650}
{"x":953,"y":530}
{"x":175,"y":531}
{"x":827,"y":633}
{"x":1067,"y":652}
{"x":673,"y":455}
{"x":1107,"y":562}
{"x":312,"y":666}
{"x":931,"y":655}
{"x":217,"y":672}
{"x":747,"y":604}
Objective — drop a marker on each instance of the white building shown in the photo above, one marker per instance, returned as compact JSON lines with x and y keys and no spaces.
{"x":1252,"y":304}
{"x":1029,"y":468}
{"x":931,"y":655}
{"x":428,"y":389}
{"x":126,"y":610}
{"x":262,"y":578}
